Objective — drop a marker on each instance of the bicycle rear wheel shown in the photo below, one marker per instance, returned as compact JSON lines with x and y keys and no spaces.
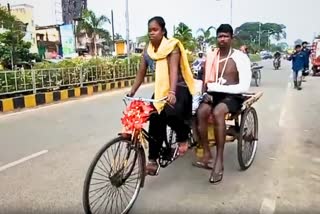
{"x":114,"y":178}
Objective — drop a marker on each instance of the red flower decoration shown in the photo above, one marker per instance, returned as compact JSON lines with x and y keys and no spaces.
{"x":136,"y":115}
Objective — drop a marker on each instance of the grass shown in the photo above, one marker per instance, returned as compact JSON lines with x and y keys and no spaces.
{"x":255,"y":58}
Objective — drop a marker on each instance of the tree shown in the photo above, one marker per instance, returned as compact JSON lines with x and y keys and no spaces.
{"x":206,"y":37}
{"x":144,"y":39}
{"x":118,"y":36}
{"x":184,"y":34}
{"x":13,"y":48}
{"x":252,"y":33}
{"x":92,"y":25}
{"x":106,"y":40}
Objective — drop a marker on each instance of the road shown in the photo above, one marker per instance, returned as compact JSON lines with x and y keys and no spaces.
{"x":58,"y":142}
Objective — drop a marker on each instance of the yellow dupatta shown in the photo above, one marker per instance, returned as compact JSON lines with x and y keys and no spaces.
{"x":162,"y":79}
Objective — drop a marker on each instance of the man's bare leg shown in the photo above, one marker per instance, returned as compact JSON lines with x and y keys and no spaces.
{"x":203,"y":114}
{"x":219,"y":113}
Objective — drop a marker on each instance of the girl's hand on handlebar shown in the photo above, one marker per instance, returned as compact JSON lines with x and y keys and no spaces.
{"x":171,"y":98}
{"x":130,"y":94}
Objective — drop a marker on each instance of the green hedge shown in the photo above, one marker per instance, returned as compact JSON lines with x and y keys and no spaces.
{"x":255,"y":57}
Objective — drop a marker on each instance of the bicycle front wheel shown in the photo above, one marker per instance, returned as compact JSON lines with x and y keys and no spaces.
{"x":114,"y":178}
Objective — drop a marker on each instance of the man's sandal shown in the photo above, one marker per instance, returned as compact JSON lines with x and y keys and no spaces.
{"x":216,"y":178}
{"x":203,"y":164}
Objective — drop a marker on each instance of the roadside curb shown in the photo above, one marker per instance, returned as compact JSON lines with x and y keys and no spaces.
{"x":34,"y":100}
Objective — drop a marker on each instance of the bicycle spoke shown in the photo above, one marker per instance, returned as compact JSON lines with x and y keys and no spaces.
{"x":95,"y":201}
{"x":105,"y":168}
{"x":101,"y":175}
{"x":98,"y":188}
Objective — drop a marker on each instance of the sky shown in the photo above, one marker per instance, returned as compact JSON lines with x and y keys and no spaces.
{"x":300,"y":16}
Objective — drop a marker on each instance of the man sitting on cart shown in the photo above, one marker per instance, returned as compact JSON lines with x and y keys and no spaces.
{"x":227,"y":75}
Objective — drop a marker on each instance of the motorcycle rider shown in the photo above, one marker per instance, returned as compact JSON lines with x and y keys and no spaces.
{"x":198,"y":65}
{"x":277,"y":59}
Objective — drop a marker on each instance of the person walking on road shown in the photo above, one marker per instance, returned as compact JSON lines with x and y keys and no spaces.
{"x":298,"y":66}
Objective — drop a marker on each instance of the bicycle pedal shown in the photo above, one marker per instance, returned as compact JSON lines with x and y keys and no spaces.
{"x":158,"y":169}
{"x":175,"y":154}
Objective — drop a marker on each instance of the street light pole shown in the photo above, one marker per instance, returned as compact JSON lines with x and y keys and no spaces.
{"x":127,"y":32}
{"x":231,"y":12}
{"x":12,"y":48}
{"x":231,"y":8}
{"x":259,"y":36}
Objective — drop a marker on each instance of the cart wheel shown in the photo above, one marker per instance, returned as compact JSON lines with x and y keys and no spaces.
{"x":114,"y":178}
{"x":258,"y":78}
{"x":248,"y":138}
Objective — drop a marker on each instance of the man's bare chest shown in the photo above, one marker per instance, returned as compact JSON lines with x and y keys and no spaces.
{"x":227,"y":67}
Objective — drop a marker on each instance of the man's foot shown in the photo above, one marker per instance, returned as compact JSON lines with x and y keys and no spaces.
{"x":183,"y":148}
{"x":203,"y":164}
{"x":217,"y":172}
{"x":152,"y":168}
{"x":216,"y":178}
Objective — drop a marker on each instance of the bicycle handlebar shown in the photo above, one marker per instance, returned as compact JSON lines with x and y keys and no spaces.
{"x":146,"y":99}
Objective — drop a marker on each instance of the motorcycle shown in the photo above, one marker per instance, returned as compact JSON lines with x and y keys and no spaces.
{"x":256,"y":73}
{"x":276,"y":63}
{"x":197,"y":70}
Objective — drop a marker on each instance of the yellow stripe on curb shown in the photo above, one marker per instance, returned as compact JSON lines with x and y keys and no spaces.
{"x":123,"y":83}
{"x":30,"y":101}
{"x":7,"y":105}
{"x":108,"y":87}
{"x":77,"y":92}
{"x":49,"y":97}
{"x":64,"y":95}
{"x":90,"y":89}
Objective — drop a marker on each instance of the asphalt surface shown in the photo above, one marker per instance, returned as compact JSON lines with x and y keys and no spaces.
{"x":284,"y":177}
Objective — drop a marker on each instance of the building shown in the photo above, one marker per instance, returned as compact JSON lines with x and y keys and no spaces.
{"x":72,"y":9}
{"x":49,"y":41}
{"x":24,"y":13}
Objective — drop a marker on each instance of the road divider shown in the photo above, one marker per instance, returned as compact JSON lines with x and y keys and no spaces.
{"x":33,"y":100}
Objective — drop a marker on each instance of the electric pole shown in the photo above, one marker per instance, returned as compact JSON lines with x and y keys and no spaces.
{"x":127,"y":33}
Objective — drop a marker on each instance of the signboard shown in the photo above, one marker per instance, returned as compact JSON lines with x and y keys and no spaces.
{"x":67,"y":40}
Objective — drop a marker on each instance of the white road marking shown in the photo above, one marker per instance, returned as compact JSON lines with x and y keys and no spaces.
{"x":68,"y":102}
{"x":284,"y":109}
{"x":268,"y":206}
{"x":15,"y":163}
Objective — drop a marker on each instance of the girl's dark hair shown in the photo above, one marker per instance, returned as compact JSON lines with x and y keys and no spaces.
{"x":161,"y":23}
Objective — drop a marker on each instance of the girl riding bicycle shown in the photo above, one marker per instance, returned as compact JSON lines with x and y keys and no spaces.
{"x":174,"y":80}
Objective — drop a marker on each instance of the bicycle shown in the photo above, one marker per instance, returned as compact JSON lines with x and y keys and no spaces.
{"x":124,"y":171}
{"x":256,"y":73}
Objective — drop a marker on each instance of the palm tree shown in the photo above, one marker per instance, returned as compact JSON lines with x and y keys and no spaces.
{"x":92,"y":25}
{"x":206,"y":37}
{"x":184,"y":34}
{"x":118,"y":36}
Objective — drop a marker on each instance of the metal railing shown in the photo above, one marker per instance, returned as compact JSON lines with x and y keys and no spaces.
{"x":20,"y":81}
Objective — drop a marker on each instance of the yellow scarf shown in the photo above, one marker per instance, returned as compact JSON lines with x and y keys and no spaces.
{"x":162,"y":79}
